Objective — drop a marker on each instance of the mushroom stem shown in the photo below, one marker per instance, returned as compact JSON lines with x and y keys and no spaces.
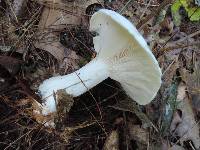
{"x":75,"y":83}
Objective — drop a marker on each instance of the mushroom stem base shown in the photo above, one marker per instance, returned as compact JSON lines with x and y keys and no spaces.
{"x":75,"y":83}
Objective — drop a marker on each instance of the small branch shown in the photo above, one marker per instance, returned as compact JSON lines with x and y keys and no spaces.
{"x":155,"y":12}
{"x":125,"y":6}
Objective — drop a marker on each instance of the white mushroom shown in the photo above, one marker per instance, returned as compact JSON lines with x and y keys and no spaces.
{"x":122,"y":55}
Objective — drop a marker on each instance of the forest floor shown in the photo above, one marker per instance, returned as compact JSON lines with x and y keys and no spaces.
{"x":44,"y":38}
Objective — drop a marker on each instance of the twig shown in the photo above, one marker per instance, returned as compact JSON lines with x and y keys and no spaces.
{"x":102,"y":101}
{"x":175,"y":60}
{"x":167,"y":49}
{"x":151,"y":5}
{"x":96,"y":104}
{"x":145,"y":9}
{"x":189,"y":36}
{"x":125,"y":6}
{"x":155,"y":12}
{"x":197,"y":123}
{"x":10,"y":145}
{"x":12,"y":11}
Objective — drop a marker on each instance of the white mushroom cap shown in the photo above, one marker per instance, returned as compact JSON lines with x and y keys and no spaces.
{"x":130,"y":60}
{"x":122,"y":54}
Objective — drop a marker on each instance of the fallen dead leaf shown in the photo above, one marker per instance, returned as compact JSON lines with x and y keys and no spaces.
{"x":68,"y":131}
{"x":55,"y":19}
{"x":184,"y":73}
{"x":170,"y":71}
{"x":112,"y":141}
{"x":187,"y":127}
{"x":167,"y":27}
{"x":166,"y":146}
{"x":70,"y":63}
{"x":130,"y":106}
{"x":136,"y":11}
{"x":70,"y":6}
{"x":138,"y":133}
{"x":18,"y":7}
{"x":36,"y":113}
{"x":51,"y":44}
{"x":193,"y":83}
{"x":176,"y":147}
{"x":176,"y":120}
{"x":64,"y":104}
{"x":51,"y":22}
{"x":10,"y":63}
{"x":169,"y":106}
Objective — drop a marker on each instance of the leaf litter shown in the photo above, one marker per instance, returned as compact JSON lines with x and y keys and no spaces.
{"x":54,"y":39}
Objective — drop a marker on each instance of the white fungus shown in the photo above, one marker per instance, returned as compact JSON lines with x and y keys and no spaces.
{"x":122,"y":55}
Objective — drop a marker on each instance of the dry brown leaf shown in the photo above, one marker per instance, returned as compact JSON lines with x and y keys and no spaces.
{"x":18,"y":7}
{"x":167,"y":27}
{"x":64,"y":103}
{"x":54,"y":19}
{"x":36,"y":113}
{"x":61,"y":13}
{"x":166,"y":146}
{"x":176,"y":147}
{"x":130,"y":106}
{"x":176,"y":120}
{"x":187,"y":128}
{"x":51,"y":44}
{"x":137,"y":133}
{"x":49,"y":41}
{"x":70,"y":5}
{"x":10,"y":63}
{"x":184,"y":75}
{"x":112,"y":141}
{"x":136,"y":11}
{"x":68,"y":131}
{"x":193,"y":82}
{"x":170,"y":71}
{"x":70,"y":62}
{"x":57,"y":19}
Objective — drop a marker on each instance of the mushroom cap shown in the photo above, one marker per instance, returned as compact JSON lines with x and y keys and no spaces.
{"x":130,"y":60}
